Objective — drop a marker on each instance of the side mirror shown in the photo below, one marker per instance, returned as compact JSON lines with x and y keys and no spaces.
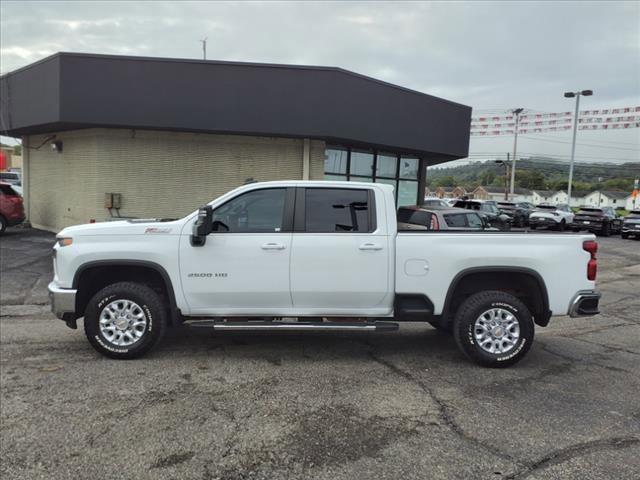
{"x":202,"y":227}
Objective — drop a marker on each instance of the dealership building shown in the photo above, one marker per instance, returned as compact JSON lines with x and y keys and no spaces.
{"x":107,"y":136}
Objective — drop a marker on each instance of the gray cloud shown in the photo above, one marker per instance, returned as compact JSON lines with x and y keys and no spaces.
{"x":485,"y":54}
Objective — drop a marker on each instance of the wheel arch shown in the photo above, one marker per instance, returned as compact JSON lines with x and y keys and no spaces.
{"x":112,"y":271}
{"x":510,"y":279}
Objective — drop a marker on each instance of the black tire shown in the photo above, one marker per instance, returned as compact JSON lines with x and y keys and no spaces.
{"x":624,"y":235}
{"x":606,"y":230}
{"x":533,"y":227}
{"x":3,"y":224}
{"x":562,"y":225}
{"x":444,"y":328}
{"x":149,"y":302}
{"x":464,"y":328}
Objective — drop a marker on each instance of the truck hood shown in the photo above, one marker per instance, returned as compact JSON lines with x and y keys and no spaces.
{"x":149,"y":226}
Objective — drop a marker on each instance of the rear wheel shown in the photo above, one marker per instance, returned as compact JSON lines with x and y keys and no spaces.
{"x":493,"y":328}
{"x":125,"y":320}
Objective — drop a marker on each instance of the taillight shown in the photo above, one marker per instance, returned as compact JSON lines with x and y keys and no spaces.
{"x":592,"y":266}
{"x":434,"y":223}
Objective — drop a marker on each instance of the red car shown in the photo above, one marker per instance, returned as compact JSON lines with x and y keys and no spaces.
{"x":11,"y":207}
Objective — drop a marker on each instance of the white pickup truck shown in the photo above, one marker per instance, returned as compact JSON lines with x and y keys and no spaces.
{"x":316,"y":256}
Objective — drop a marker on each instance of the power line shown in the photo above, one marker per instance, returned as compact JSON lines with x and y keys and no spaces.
{"x":593,"y":145}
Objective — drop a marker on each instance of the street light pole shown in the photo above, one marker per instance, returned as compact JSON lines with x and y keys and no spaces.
{"x":586,"y":93}
{"x":517,"y":113}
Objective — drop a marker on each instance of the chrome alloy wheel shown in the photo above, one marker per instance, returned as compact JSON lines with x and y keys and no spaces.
{"x":123,"y":322}
{"x":497,"y":330}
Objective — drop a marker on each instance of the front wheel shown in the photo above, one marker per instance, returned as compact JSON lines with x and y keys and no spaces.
{"x":561,"y":226}
{"x":606,"y":230}
{"x":124,"y":320}
{"x":624,"y":235}
{"x":493,"y":328}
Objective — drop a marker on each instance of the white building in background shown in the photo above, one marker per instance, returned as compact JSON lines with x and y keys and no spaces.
{"x":542,"y":196}
{"x":629,"y":203}
{"x":606,"y":198}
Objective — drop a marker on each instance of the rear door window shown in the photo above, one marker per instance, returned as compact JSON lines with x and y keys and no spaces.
{"x":414,"y":217}
{"x":331,"y":210}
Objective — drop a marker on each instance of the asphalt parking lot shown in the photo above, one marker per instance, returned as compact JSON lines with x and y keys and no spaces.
{"x":394,"y":405}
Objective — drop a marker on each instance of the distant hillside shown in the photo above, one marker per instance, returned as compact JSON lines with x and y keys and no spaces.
{"x":539,"y":172}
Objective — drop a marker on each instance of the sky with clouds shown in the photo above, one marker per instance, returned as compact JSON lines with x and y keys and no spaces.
{"x":492,"y":56}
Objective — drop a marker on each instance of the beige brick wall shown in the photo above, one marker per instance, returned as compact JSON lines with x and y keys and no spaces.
{"x":159,"y":174}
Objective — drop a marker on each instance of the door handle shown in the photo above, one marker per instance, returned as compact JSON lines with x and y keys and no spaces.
{"x":273,"y":246}
{"x":370,"y":246}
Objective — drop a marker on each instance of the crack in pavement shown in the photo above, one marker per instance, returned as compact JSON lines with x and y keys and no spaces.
{"x":444,"y":410}
{"x":573,"y":360}
{"x":608,"y":347}
{"x":564,"y":454}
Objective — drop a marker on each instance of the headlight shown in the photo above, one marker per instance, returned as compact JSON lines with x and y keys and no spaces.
{"x":64,"y":241}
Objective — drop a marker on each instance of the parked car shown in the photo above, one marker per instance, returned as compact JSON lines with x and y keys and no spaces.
{"x":438,"y":218}
{"x":557,"y":217}
{"x":488,"y":210}
{"x":519,"y":216}
{"x":12,"y":178}
{"x":631,"y":225}
{"x":11,"y":207}
{"x":435,"y":202}
{"x":602,"y":221}
{"x":276,"y":251}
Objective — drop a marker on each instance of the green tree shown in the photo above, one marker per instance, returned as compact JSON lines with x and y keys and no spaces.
{"x":446,"y":181}
{"x":487,"y":177}
{"x":532,"y":179}
{"x":17,"y":150}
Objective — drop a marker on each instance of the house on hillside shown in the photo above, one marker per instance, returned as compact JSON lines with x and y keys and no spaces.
{"x":606,"y":198}
{"x":542,"y":196}
{"x":497,"y":193}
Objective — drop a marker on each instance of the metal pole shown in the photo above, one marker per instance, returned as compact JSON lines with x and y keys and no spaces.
{"x":573,"y":148}
{"x":204,"y":48}
{"x":506,"y":177}
{"x":515,"y":145}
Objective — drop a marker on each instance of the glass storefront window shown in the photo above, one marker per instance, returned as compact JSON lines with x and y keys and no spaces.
{"x":361,"y":163}
{"x":328,"y":176}
{"x":409,"y":167}
{"x":407,"y":192}
{"x":335,"y":160}
{"x":357,"y":165}
{"x":386,"y":165}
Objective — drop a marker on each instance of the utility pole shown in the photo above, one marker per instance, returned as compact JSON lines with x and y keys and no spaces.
{"x":204,"y":47}
{"x":506,"y":175}
{"x":586,"y":93}
{"x":517,"y":113}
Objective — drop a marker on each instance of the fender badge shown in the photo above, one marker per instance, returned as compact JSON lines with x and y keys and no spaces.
{"x":157,"y":230}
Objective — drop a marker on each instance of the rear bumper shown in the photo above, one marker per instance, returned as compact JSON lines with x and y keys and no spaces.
{"x":15,"y":221}
{"x":63,"y":301}
{"x":543,"y":221}
{"x":585,"y":304}
{"x":591,"y":226}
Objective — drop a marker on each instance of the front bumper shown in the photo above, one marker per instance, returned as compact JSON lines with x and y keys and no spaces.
{"x":632,"y":229}
{"x":63,"y":301}
{"x":585,"y":304}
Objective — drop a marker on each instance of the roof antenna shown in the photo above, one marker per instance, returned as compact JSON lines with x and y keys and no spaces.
{"x":250,"y":180}
{"x":204,"y":47}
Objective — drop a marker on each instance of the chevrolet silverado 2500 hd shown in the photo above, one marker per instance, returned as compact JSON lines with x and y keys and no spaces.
{"x":326,"y":254}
